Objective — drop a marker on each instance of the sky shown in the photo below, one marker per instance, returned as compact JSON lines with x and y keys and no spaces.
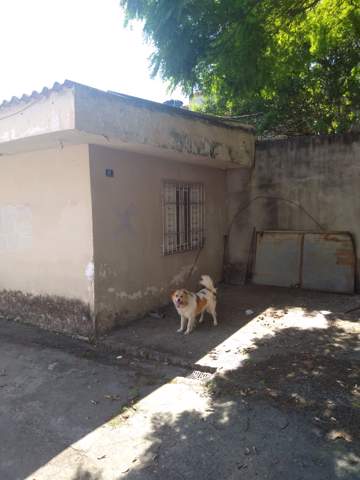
{"x":43,"y":41}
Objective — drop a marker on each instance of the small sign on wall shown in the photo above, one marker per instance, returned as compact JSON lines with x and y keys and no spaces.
{"x":109,"y":172}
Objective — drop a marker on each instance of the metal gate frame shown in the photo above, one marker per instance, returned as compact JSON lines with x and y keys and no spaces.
{"x":302,"y":234}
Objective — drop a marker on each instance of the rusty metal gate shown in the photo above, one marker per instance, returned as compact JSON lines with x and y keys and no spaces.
{"x":315,"y":261}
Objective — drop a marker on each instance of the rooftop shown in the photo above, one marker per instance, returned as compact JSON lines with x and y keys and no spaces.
{"x":45,"y":92}
{"x":73,"y":113}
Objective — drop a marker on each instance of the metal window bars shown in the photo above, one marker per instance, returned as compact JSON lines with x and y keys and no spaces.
{"x":183,"y":217}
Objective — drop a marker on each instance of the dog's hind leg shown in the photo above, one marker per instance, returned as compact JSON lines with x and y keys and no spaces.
{"x":190,"y":326}
{"x":212,"y":312}
{"x":201,"y":319}
{"x":182,"y":324}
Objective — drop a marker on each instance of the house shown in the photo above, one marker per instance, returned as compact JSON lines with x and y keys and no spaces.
{"x":107,"y":203}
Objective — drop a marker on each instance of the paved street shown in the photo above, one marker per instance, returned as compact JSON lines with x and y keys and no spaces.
{"x":284,"y":402}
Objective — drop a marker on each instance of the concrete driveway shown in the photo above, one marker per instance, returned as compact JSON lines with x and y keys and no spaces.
{"x":284,"y":402}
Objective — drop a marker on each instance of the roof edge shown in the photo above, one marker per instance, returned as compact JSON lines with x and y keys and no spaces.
{"x":57,"y":87}
{"x":141,"y":102}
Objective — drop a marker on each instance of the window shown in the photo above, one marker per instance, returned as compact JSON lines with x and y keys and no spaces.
{"x":183,"y":216}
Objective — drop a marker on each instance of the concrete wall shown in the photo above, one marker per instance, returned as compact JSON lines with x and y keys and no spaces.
{"x":320,"y":173}
{"x":159,"y":130}
{"x":131,"y":275}
{"x":45,"y":113}
{"x":46,"y":238}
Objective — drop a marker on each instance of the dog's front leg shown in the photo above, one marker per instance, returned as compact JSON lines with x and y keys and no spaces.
{"x":182,"y":324}
{"x":190,"y":326}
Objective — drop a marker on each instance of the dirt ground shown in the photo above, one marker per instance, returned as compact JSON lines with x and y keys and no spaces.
{"x":284,"y":401}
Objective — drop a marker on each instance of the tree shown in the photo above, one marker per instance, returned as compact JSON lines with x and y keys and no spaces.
{"x":293,"y":66}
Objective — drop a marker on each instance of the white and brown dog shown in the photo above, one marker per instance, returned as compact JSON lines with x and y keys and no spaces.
{"x":189,"y":305}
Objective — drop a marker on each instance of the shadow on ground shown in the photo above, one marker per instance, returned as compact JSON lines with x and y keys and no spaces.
{"x":292,"y":412}
{"x":55,"y":390}
{"x":159,"y":334}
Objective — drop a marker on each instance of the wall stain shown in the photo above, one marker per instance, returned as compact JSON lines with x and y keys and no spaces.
{"x":54,"y":313}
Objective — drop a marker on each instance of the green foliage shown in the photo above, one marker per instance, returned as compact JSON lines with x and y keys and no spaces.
{"x":295,"y":65}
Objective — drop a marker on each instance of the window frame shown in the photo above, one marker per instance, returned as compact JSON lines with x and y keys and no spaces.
{"x":189,"y":217}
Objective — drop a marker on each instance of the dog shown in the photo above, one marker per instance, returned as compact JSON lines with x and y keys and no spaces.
{"x":189,"y":305}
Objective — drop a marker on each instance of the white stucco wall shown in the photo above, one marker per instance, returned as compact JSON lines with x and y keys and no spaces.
{"x":132,"y":275}
{"x":46,"y":225}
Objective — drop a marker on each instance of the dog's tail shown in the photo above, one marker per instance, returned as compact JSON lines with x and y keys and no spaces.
{"x":208,"y":283}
